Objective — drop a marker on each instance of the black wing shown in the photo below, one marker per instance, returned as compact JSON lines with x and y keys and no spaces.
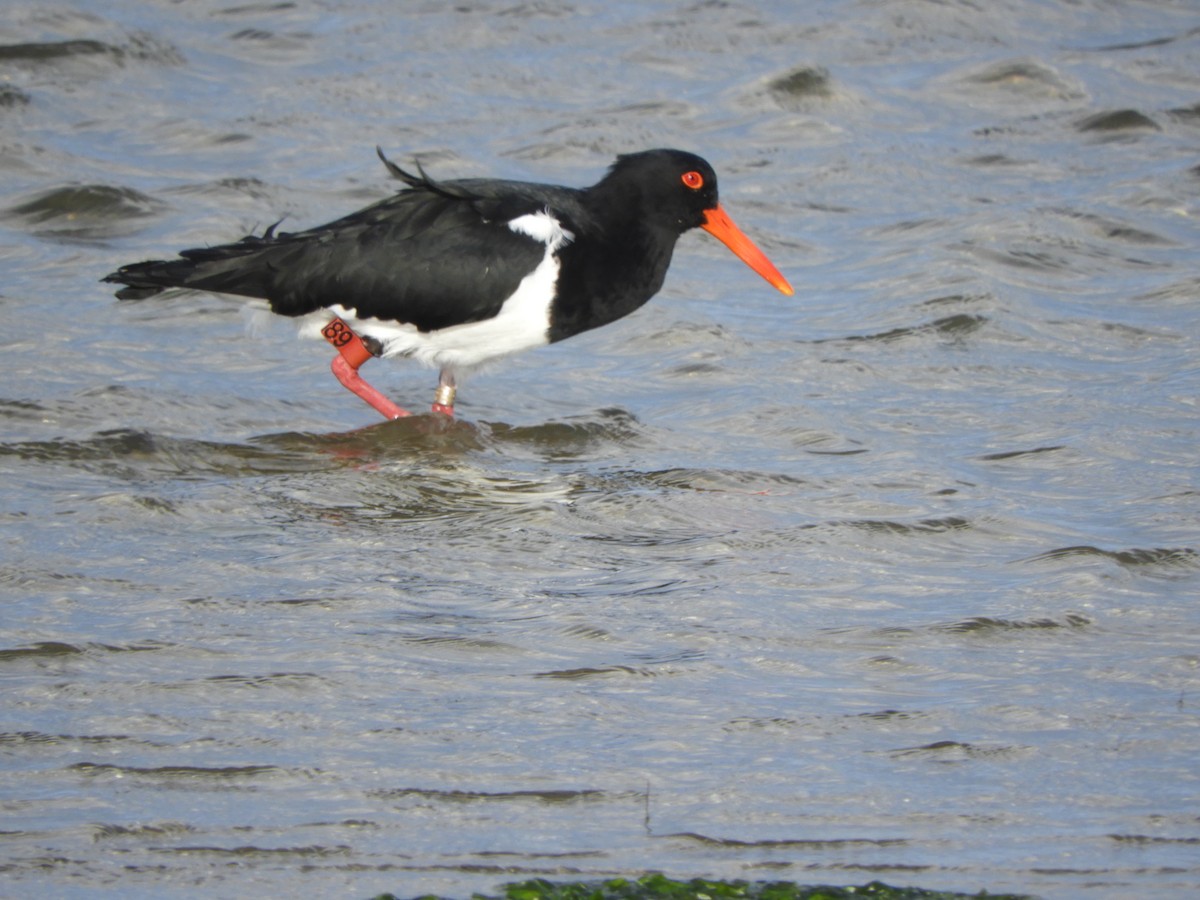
{"x":433,"y":255}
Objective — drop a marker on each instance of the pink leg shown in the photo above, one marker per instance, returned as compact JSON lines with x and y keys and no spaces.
{"x":352,"y":353}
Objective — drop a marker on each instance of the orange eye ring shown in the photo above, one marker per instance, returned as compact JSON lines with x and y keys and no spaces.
{"x":693,"y":180}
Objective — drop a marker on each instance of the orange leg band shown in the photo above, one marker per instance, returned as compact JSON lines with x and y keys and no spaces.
{"x":352,"y":353}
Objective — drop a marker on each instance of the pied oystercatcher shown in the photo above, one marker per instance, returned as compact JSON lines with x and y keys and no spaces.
{"x":456,"y":273}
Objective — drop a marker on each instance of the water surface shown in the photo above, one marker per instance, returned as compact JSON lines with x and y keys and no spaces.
{"x":894,"y":579}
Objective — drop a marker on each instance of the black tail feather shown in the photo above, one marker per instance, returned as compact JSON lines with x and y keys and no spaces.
{"x":136,"y":293}
{"x":201,"y":268}
{"x":146,"y":279}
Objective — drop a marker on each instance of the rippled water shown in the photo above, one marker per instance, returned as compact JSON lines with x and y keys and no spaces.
{"x":895,"y":579}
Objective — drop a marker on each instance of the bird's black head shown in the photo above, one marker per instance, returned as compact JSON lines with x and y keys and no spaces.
{"x":667,"y":192}
{"x":671,"y":189}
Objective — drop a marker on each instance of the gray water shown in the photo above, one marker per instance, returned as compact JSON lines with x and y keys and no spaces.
{"x":895,"y":579}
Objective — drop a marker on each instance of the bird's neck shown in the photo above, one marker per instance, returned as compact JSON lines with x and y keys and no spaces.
{"x":609,"y":276}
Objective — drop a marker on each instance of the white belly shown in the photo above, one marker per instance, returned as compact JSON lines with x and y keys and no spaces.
{"x":522,"y":323}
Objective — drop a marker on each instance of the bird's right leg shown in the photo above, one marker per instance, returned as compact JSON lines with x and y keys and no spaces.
{"x":352,"y":353}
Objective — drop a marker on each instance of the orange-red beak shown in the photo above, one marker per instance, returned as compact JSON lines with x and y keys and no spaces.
{"x":719,"y":225}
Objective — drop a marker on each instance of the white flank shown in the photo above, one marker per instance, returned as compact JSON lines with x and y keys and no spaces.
{"x":522,"y":323}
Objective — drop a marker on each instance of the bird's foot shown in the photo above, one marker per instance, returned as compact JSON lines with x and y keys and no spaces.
{"x":352,"y":353}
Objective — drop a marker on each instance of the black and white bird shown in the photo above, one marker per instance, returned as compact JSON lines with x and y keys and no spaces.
{"x":456,"y":273}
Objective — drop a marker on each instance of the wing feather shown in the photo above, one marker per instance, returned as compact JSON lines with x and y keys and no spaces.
{"x":433,"y":255}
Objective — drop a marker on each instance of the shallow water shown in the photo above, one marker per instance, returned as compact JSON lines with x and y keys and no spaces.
{"x":894,"y":579}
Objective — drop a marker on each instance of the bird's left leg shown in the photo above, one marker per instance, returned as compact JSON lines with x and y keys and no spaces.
{"x":352,"y":353}
{"x":443,"y":400}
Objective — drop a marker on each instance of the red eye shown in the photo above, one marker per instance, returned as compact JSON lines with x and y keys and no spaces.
{"x":694,"y":180}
